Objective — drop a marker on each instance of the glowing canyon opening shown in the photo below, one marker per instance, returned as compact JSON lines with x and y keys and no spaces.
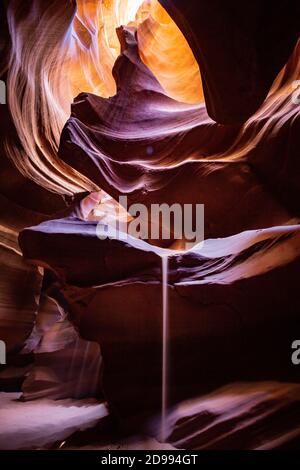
{"x":128,"y":126}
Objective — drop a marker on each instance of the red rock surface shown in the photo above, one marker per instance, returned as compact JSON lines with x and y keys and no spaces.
{"x":233,"y":301}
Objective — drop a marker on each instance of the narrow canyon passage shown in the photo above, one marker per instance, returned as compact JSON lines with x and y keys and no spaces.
{"x":149,"y":233}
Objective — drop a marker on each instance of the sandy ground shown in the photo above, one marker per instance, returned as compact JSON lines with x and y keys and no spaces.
{"x":40,"y":424}
{"x":262,"y":415}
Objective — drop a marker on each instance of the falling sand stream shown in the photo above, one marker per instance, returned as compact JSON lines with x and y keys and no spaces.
{"x":165,"y":341}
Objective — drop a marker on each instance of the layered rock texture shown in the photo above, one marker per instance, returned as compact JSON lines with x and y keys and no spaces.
{"x":81,"y":304}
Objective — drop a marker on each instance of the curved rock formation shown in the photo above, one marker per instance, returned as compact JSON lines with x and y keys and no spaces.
{"x":220,"y":295}
{"x":233,"y":300}
{"x":240,"y":50}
